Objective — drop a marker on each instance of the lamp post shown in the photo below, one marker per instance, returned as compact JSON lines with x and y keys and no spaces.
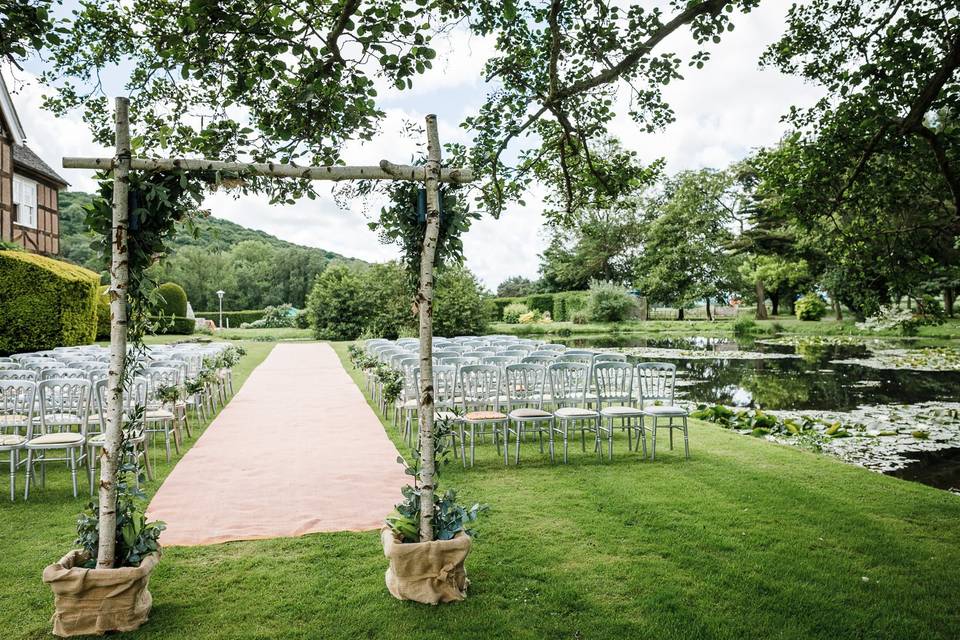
{"x":220,"y":296}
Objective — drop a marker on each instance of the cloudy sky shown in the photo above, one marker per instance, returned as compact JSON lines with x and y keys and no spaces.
{"x":723,"y":111}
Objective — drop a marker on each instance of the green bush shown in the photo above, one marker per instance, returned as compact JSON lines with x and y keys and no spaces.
{"x":744,"y":326}
{"x":513,"y":311}
{"x":236,"y":318}
{"x":103,"y":314}
{"x":610,"y":302}
{"x":542,"y":302}
{"x":174,"y":300}
{"x":391,"y":316}
{"x":337,"y":305}
{"x":494,"y":307}
{"x":810,"y":307}
{"x":46,"y":303}
{"x":167,"y":325}
{"x":302,"y":319}
{"x":566,"y":303}
{"x":580,"y":317}
{"x":458,"y":303}
{"x":278,"y":317}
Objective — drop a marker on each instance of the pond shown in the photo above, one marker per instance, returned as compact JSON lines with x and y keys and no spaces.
{"x":882,"y":386}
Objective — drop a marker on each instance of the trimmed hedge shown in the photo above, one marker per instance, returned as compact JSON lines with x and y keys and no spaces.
{"x":236,"y":317}
{"x":165,"y":325}
{"x":560,"y":305}
{"x":103,"y":314}
{"x":46,"y":303}
{"x":174,"y":299}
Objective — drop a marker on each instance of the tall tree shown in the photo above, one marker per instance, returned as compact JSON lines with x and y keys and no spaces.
{"x":25,"y":26}
{"x":685,"y":255}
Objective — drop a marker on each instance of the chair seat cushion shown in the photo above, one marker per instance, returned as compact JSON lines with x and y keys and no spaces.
{"x":13,"y":419}
{"x":616,"y":412}
{"x":477,"y":416}
{"x":11,"y":440}
{"x":530,"y":413}
{"x":575,"y":412}
{"x":98,"y":439}
{"x":50,"y":439}
{"x":664,"y":410}
{"x":159,"y":414}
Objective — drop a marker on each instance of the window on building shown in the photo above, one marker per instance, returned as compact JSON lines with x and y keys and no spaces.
{"x":25,"y":201}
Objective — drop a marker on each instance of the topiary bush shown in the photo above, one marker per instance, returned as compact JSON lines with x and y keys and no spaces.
{"x":103,"y":314}
{"x":165,"y":325}
{"x":811,"y":307}
{"x":174,"y":300}
{"x":610,"y":302}
{"x":494,"y":307}
{"x":45,"y":303}
{"x":513,"y":311}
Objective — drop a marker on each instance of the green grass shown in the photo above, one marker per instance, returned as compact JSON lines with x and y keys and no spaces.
{"x":746,"y":540}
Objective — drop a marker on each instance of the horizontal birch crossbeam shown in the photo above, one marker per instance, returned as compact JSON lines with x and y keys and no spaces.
{"x":385,"y":171}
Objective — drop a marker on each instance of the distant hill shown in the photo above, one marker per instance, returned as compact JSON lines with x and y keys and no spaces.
{"x":216,"y":235}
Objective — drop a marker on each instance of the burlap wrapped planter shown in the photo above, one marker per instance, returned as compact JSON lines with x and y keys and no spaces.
{"x":427,"y":572}
{"x":95,"y":601}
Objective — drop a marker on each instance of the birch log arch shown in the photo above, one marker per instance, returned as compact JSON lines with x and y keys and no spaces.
{"x":431,"y":174}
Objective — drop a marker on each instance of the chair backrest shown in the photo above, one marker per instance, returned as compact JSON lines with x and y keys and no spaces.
{"x":656,"y":381}
{"x":552,"y":346}
{"x":614,"y":383}
{"x":408,"y":367}
{"x":500,"y":360}
{"x":134,"y":394}
{"x":480,"y":386}
{"x":444,"y":384}
{"x":519,"y":354}
{"x":535,"y":359}
{"x":161,"y":377}
{"x":609,"y":357}
{"x":580,"y":352}
{"x":16,"y":407}
{"x":19,"y":374}
{"x":445,"y":353}
{"x":62,"y":372}
{"x":475,"y":354}
{"x":568,"y":383}
{"x":67,"y":399}
{"x":6,"y":365}
{"x":525,"y":383}
{"x":575,"y":357}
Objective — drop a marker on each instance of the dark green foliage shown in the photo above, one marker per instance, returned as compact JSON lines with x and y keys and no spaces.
{"x":567,"y":302}
{"x":542,"y":302}
{"x":458,"y":303}
{"x":449,"y":518}
{"x":516,"y":286}
{"x":744,"y":326}
{"x":610,"y":302}
{"x":136,"y":538}
{"x":256,"y":269}
{"x":338,"y":305}
{"x":167,"y":325}
{"x":513,"y":311}
{"x":26,"y":26}
{"x":173,"y":300}
{"x":495,"y":307}
{"x":811,"y":307}
{"x":103,"y":313}
{"x":45,"y":303}
{"x":236,"y":318}
{"x":387,"y":285}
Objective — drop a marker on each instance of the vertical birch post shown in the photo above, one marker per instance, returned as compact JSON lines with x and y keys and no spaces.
{"x":425,"y":307}
{"x":119,"y":277}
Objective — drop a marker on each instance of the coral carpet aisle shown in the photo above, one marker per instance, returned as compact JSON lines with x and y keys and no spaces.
{"x":296,"y":451}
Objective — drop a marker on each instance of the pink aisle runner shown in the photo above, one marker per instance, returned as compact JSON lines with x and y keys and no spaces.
{"x":296,"y":451}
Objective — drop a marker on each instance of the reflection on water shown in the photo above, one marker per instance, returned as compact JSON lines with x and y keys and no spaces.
{"x":807,"y":382}
{"x":812,"y":381}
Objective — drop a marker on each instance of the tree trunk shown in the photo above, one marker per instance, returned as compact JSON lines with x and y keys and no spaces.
{"x":119,"y":277}
{"x":709,"y":315}
{"x":837,"y":311}
{"x":425,"y":306}
{"x":948,"y":301}
{"x":680,"y":313}
{"x":761,"y":304}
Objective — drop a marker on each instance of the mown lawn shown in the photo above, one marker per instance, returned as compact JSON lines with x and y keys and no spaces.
{"x":746,"y":540}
